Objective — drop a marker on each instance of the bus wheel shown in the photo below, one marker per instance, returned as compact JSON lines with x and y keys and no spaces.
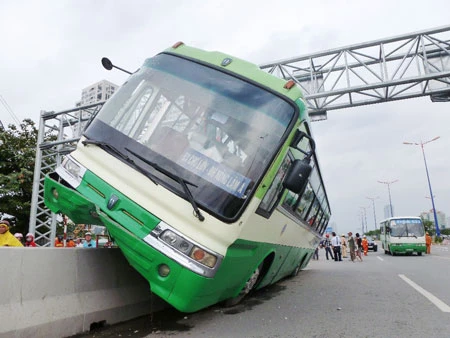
{"x":297,"y":269}
{"x":419,"y":254}
{"x":251,"y":283}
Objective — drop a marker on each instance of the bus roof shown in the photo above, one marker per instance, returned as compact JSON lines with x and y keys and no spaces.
{"x":400,"y":217}
{"x":238,"y":66}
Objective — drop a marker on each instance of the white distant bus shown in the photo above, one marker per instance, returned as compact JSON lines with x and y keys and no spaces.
{"x":403,"y":235}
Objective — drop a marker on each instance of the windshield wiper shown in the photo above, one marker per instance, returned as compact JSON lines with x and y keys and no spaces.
{"x":177,"y":178}
{"x":117,"y":152}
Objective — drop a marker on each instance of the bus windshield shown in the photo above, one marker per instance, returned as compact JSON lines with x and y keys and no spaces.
{"x":406,"y":228}
{"x":210,"y":128}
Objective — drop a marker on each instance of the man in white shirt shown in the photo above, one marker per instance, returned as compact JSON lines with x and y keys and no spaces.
{"x":336,"y":244}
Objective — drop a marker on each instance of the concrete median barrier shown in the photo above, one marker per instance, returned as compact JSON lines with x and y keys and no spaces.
{"x":58,"y":292}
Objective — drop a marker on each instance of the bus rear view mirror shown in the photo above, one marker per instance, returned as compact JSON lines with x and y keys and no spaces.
{"x":297,"y":176}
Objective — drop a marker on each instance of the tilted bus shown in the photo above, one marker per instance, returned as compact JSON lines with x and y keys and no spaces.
{"x":403,"y":235}
{"x":203,"y":169}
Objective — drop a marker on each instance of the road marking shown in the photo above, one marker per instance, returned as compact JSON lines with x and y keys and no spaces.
{"x":440,"y":257}
{"x":381,"y":259}
{"x":432,"y":298}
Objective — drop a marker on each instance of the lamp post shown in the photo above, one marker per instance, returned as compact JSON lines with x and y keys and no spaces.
{"x":373,"y":206}
{"x":388,"y":183}
{"x":421,"y":144}
{"x":364,"y":219}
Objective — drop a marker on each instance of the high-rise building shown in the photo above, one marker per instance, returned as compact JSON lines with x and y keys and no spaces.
{"x":98,"y":92}
{"x":441,"y":218}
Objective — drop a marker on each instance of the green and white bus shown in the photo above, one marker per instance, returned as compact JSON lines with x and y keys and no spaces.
{"x":403,"y":235}
{"x":203,"y":169}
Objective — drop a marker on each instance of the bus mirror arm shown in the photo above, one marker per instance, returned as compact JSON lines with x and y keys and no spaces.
{"x":299,"y":135}
{"x":107,"y":64}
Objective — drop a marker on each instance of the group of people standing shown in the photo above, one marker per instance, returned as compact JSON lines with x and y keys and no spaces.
{"x":338,"y":247}
{"x":87,"y":242}
{"x":18,"y":240}
{"x":8,"y":239}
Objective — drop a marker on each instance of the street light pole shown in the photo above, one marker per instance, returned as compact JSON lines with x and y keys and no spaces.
{"x":421,"y":144}
{"x":388,"y":183}
{"x":373,"y":206}
{"x":364,"y":220}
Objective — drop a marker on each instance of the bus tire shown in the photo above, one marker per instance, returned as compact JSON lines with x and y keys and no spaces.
{"x":249,"y":286}
{"x":297,"y":269}
{"x":419,"y":254}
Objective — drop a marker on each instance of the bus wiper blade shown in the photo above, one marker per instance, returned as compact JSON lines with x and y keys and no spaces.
{"x":114,"y":150}
{"x":177,"y":178}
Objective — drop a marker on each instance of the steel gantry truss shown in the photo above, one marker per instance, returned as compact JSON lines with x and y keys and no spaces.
{"x":402,"y":67}
{"x":58,"y":134}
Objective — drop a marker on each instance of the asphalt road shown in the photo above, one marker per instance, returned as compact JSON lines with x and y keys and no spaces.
{"x":383,"y":296}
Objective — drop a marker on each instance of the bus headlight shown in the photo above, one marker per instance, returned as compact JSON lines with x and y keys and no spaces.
{"x":186,"y":252}
{"x":71,"y":171}
{"x":186,"y":247}
{"x":176,"y":241}
{"x":203,"y":257}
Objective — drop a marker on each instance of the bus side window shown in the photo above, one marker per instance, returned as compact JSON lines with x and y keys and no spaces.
{"x":305,"y":202}
{"x":273,"y":194}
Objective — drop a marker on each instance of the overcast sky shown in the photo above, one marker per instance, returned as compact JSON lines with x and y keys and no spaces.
{"x":50,"y":50}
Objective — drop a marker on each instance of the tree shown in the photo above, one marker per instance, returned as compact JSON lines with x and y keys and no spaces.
{"x":429,"y":227}
{"x":17,"y":154}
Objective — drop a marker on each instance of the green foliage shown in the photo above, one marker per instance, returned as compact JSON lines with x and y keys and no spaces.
{"x":17,"y":154}
{"x":373,"y":233}
{"x":429,"y":227}
{"x":445,"y":231}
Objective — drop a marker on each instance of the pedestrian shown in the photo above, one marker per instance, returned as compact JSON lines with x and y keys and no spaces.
{"x":344,"y":246}
{"x":79,"y":242}
{"x":365,"y":245}
{"x":6,"y":237}
{"x":316,"y":253}
{"x":428,"y":242}
{"x":29,"y":240}
{"x":19,"y":237}
{"x":336,"y":243}
{"x":327,"y":245}
{"x":351,"y":246}
{"x":70,"y":243}
{"x":59,"y":241}
{"x":358,"y":241}
{"x":88,"y":241}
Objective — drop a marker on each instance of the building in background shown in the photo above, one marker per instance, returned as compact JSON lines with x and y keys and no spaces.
{"x":429,"y":216}
{"x":98,"y":92}
{"x":95,"y":93}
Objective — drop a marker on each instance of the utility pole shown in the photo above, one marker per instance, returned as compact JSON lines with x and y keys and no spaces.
{"x":421,"y":144}
{"x":373,"y":206}
{"x":388,"y":183}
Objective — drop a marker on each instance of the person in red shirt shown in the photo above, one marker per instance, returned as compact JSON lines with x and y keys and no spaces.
{"x":59,"y":243}
{"x":29,"y":240}
{"x":70,"y":243}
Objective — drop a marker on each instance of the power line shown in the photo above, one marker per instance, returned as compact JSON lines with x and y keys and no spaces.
{"x":9,"y":110}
